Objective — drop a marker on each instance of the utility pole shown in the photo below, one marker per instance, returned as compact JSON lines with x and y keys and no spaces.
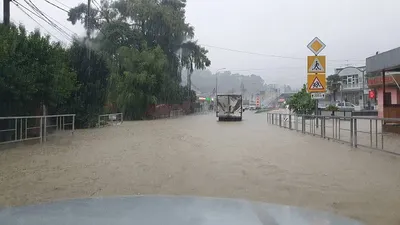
{"x":88,"y":34}
{"x":6,"y":12}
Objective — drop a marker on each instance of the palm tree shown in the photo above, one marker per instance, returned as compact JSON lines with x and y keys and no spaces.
{"x":193,"y":57}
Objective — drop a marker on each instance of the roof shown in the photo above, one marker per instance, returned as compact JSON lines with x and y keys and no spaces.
{"x":388,"y":61}
{"x":286,"y":95}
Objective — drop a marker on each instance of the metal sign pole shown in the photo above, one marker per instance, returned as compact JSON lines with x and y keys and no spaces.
{"x":316,"y":113}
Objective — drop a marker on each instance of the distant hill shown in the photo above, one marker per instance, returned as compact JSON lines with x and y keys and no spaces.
{"x":204,"y":80}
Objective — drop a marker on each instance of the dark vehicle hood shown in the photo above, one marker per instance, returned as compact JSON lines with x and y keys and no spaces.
{"x":165,"y":210}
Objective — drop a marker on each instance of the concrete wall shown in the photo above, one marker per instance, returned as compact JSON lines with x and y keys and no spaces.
{"x":395,"y":98}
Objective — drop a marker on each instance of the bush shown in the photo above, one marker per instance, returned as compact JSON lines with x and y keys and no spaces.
{"x":301,"y":102}
{"x":332,"y":108}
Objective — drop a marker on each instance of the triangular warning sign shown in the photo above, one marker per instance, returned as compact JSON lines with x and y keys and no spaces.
{"x":316,"y":67}
{"x":316,"y":85}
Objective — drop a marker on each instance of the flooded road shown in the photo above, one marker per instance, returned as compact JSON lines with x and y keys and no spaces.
{"x":195,"y":155}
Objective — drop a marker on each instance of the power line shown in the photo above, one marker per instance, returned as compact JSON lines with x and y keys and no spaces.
{"x":62,"y":4}
{"x":66,"y":35}
{"x":47,"y":21}
{"x":56,"y":6}
{"x":61,"y":24}
{"x":95,"y":3}
{"x":57,"y":21}
{"x":252,"y":53}
{"x":45,"y":18}
{"x":36,"y":22}
{"x":270,"y":55}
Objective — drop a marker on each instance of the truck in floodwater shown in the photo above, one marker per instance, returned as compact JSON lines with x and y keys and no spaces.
{"x":229,"y":107}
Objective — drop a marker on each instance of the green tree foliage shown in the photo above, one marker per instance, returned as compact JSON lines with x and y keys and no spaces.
{"x":138,"y":85}
{"x":155,"y":22}
{"x":333,"y":84}
{"x":301,"y":102}
{"x":148,"y":43}
{"x":88,"y":100}
{"x":33,"y":71}
{"x":138,"y":49}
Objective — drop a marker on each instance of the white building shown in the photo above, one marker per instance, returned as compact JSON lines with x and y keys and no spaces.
{"x":353,"y":85}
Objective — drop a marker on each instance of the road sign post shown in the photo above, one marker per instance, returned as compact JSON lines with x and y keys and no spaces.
{"x":316,"y":69}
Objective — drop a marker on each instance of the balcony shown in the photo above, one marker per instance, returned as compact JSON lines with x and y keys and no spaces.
{"x":357,"y":86}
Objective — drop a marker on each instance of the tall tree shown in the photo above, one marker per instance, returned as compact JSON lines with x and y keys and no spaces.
{"x":143,"y":28}
{"x":89,"y":99}
{"x":158,"y":22}
{"x":333,"y":84}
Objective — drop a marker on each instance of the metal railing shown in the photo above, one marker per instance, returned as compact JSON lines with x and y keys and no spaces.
{"x":368,"y":132}
{"x":110,"y":119}
{"x":201,"y":111}
{"x":24,"y":128}
{"x":176,"y":113}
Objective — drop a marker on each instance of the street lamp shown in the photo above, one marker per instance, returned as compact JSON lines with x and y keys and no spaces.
{"x":216,"y":80}
{"x":216,"y":90}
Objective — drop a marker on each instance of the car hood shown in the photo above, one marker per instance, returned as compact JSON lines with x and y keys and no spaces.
{"x":166,"y":210}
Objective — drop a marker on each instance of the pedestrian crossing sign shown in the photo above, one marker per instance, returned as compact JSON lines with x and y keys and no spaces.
{"x":316,"y":64}
{"x":316,"y":83}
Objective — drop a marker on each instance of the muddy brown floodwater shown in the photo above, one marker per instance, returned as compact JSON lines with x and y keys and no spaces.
{"x":195,"y":155}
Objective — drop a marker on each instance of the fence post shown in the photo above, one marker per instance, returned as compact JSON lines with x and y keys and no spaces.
{"x":280,"y":120}
{"x":322,"y":127}
{"x":41,"y":129}
{"x":26,"y":128}
{"x":376,"y":133}
{"x":290,"y":121}
{"x":355,"y":133}
{"x":20,"y":132}
{"x":351,"y":131}
{"x":382,"y":123}
{"x":45,"y":129}
{"x":122,"y":117}
{"x":370,"y":133}
{"x":73,"y":124}
{"x":16,"y":129}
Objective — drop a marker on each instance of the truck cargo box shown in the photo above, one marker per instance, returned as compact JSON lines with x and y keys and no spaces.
{"x":229,"y":107}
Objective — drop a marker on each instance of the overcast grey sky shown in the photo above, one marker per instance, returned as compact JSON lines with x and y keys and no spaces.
{"x":351,"y":29}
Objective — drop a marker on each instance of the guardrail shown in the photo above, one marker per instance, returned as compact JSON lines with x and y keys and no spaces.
{"x":365,"y":132}
{"x":176,"y":113}
{"x":201,"y":111}
{"x":24,"y":128}
{"x":110,"y":119}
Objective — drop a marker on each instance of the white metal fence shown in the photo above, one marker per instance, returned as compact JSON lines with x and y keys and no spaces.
{"x":357,"y":131}
{"x":23,"y":128}
{"x":110,"y":119}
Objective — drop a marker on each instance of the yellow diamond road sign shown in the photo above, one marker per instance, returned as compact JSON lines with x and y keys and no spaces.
{"x":316,"y":46}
